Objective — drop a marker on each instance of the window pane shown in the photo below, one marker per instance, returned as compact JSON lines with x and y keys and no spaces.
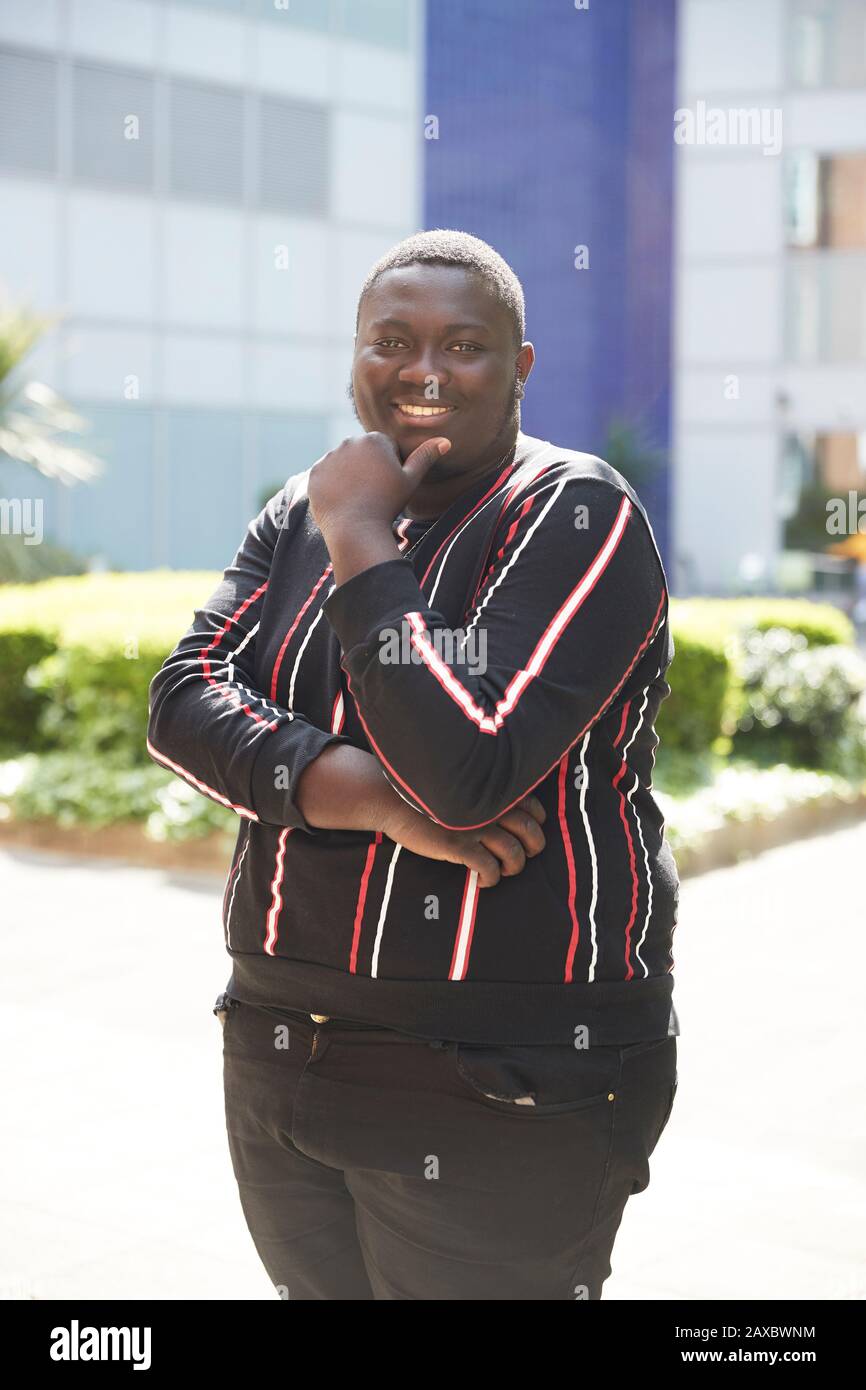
{"x":200,"y":494}
{"x":305,"y":14}
{"x":206,"y":142}
{"x":827,"y":43}
{"x":825,"y":305}
{"x":28,"y":113}
{"x":377,"y":21}
{"x":112,"y":126}
{"x":294,"y":144}
{"x":825,"y":200}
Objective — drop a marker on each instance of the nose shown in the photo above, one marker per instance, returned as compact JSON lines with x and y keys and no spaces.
{"x":424,"y":366}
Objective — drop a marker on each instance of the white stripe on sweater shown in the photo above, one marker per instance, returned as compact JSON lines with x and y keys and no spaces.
{"x":464,"y":928}
{"x":383,"y":911}
{"x":237,"y":651}
{"x":310,"y":630}
{"x":526,"y":539}
{"x":649,"y":877}
{"x":584,"y":783}
{"x":496,"y":497}
{"x":235,"y":889}
{"x":491,"y":724}
{"x":276,"y":907}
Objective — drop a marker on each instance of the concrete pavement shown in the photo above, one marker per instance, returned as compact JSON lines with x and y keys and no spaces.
{"x":116,"y":1179}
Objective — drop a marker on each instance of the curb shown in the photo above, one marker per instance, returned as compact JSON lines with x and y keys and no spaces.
{"x":736,"y":841}
{"x":732,"y":843}
{"x":124,"y":841}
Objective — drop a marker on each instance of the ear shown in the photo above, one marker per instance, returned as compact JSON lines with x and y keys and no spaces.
{"x":525,"y":360}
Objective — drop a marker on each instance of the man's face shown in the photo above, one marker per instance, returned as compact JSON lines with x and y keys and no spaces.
{"x":435,"y":355}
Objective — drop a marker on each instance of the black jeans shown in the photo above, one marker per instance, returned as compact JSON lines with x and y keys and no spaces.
{"x":374,"y":1165}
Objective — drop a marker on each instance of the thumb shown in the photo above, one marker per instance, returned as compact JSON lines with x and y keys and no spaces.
{"x":422,"y":459}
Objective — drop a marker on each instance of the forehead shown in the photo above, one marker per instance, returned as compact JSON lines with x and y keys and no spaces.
{"x":435,"y":296}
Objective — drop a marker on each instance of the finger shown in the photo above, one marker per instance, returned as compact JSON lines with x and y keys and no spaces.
{"x":532,"y":804}
{"x":526,"y":828}
{"x":422,"y":459}
{"x":485,"y":864}
{"x":507,"y":848}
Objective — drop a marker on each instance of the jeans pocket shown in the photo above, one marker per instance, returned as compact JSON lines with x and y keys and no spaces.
{"x":537,"y":1080}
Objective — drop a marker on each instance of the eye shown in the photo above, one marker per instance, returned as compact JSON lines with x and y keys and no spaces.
{"x":389,"y":342}
{"x":470,"y":347}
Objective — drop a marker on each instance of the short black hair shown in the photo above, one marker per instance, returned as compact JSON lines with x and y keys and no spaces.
{"x":445,"y":247}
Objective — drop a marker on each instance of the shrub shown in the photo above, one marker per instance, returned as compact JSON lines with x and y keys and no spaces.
{"x":820,"y":623}
{"x":802,"y":705}
{"x":182,"y":813}
{"x":21,"y":563}
{"x":707,"y":699}
{"x":21,"y":705}
{"x":77,"y":656}
{"x":700,"y":677}
{"x":95,"y":699}
{"x":71,"y":790}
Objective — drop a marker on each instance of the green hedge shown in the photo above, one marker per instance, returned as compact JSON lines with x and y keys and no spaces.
{"x":77,"y":656}
{"x":701,"y":681}
{"x":21,"y":707}
{"x":820,"y":623}
{"x":707,"y":695}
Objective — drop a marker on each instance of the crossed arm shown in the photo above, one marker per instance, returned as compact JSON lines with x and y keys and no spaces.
{"x":568,"y":612}
{"x":210,"y":725}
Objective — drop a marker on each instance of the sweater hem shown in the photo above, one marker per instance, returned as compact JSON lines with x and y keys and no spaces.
{"x":476,"y":1011}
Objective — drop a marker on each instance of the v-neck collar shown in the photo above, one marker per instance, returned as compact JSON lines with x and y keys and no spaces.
{"x":413,"y":530}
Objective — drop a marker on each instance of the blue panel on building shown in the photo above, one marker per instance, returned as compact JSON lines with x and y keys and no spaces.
{"x":555,"y":131}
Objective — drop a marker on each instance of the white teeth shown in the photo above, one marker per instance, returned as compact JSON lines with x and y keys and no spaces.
{"x":424,"y":409}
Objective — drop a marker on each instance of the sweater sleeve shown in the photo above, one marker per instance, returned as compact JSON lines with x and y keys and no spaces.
{"x":207,"y":721}
{"x":467,"y":722}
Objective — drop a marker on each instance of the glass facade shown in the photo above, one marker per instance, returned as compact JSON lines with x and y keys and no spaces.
{"x":826,"y":43}
{"x":196,"y":191}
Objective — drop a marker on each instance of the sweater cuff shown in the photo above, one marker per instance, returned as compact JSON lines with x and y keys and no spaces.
{"x":376,"y":598}
{"x":277,"y":771}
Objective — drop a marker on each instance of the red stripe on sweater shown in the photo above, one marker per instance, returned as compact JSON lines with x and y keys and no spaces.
{"x":544,"y":647}
{"x":198,"y":784}
{"x":651,"y":633}
{"x":572,"y":875}
{"x":509,"y":537}
{"x":506,"y":473}
{"x":625,"y":709}
{"x":247,"y":603}
{"x":288,"y":637}
{"x":362,"y":899}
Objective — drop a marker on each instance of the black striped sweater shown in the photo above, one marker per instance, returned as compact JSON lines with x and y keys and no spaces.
{"x":519,"y":643}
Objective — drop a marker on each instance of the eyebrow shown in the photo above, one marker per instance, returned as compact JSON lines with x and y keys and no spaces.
{"x":449,"y":327}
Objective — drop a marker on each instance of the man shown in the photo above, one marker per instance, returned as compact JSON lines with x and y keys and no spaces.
{"x":449,"y":1044}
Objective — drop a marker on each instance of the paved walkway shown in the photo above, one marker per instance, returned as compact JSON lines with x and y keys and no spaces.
{"x":115,"y":1172}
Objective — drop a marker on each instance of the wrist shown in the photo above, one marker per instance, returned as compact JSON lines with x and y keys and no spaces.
{"x":356,"y":543}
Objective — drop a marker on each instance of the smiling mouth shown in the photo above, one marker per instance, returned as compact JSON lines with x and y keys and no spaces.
{"x":422,"y":414}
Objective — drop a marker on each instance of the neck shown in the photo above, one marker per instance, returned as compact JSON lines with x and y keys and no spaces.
{"x":433,"y":496}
